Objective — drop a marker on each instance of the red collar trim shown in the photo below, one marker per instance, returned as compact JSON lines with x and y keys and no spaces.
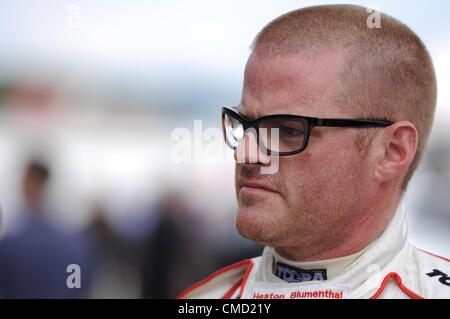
{"x":215,"y":274}
{"x":399,"y":282}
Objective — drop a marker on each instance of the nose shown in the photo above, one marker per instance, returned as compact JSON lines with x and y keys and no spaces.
{"x":249,"y":152}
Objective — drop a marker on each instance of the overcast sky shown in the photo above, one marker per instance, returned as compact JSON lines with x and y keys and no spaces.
{"x":155,"y":41}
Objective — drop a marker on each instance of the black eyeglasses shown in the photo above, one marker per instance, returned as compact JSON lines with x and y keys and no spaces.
{"x":282,"y":134}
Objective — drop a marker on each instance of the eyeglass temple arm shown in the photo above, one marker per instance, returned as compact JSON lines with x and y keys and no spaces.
{"x":350,"y":123}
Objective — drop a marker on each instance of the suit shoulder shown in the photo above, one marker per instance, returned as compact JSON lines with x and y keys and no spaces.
{"x":433,"y":272}
{"x":430,"y":260}
{"x":222,"y":284}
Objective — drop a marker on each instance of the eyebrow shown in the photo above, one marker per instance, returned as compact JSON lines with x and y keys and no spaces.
{"x":241,"y":111}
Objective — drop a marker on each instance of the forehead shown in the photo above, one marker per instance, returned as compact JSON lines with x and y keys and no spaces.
{"x":293,"y":84}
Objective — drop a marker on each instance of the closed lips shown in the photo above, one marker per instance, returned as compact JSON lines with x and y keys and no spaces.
{"x":256,"y":185}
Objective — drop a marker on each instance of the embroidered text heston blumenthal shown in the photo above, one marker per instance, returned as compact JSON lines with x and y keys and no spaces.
{"x":326,"y":294}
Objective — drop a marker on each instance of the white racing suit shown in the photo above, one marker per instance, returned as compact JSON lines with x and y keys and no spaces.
{"x":389,"y":268}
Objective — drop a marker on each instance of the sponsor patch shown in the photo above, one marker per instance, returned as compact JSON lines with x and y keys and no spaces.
{"x":293,"y":274}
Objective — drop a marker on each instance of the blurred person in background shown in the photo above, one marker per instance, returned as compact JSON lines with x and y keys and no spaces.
{"x":117,"y":253}
{"x":332,"y":215}
{"x":35,"y":253}
{"x":109,"y":274}
{"x":174,"y":249}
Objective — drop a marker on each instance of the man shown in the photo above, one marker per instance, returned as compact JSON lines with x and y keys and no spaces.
{"x":35,"y":253}
{"x":351,"y":108}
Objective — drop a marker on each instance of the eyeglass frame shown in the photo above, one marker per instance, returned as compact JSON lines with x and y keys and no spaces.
{"x":308,"y":122}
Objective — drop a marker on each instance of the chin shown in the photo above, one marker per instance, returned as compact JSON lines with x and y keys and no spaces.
{"x":258,"y":225}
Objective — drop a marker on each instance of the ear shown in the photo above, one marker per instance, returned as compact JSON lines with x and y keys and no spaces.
{"x":396,"y":148}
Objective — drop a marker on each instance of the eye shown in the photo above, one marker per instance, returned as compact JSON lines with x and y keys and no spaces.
{"x":290,"y":131}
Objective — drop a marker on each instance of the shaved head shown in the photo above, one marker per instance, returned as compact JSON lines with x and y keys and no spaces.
{"x":387,"y":72}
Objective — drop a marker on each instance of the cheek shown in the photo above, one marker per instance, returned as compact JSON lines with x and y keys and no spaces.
{"x":325,"y":170}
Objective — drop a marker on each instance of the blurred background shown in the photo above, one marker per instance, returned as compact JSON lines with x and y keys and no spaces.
{"x":91,"y":95}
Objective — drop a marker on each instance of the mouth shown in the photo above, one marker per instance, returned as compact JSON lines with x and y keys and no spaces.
{"x":255,"y":188}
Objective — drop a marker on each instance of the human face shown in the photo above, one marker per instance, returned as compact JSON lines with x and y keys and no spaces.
{"x":313,"y":197}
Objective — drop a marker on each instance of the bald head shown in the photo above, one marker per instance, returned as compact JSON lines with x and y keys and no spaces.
{"x":387,"y":72}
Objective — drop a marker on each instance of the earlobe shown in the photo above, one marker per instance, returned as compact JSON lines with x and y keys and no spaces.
{"x":398,"y":146}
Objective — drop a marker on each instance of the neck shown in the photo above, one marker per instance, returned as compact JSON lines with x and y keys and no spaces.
{"x":360,"y":233}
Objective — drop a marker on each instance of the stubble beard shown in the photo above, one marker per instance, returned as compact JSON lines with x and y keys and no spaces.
{"x":270,"y":223}
{"x":280,"y":224}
